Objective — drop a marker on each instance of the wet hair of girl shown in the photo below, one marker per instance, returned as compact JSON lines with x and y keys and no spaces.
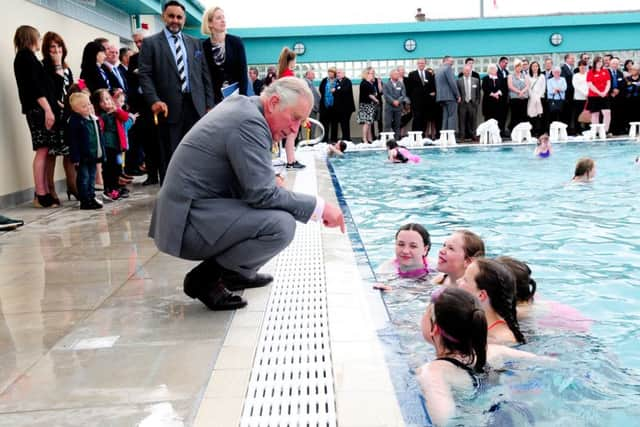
{"x":583,"y":166}
{"x":463,"y":325}
{"x":391,"y":144}
{"x":473,"y":244}
{"x":412,"y":226}
{"x":500,"y":284}
{"x":525,"y":284}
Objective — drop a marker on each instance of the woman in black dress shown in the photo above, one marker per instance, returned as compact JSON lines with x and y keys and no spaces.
{"x":38,"y":105}
{"x":54,"y":53}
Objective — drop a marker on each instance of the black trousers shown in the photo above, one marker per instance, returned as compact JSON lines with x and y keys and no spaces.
{"x":344,"y":120}
{"x":170,"y":134}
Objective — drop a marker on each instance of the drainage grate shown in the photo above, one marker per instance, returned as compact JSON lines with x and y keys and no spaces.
{"x":291,"y":381}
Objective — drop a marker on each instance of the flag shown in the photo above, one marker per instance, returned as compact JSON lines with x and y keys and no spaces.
{"x":495,"y":4}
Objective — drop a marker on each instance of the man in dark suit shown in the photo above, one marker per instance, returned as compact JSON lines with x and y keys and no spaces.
{"x":142,"y":134}
{"x":469,"y":88}
{"x":256,"y":83}
{"x":503,"y":75}
{"x":566,"y":71}
{"x":618,"y":83}
{"x":343,"y":103}
{"x":123,"y":67}
{"x":175,"y":81}
{"x":220,"y":203}
{"x":417,"y":91}
{"x":470,"y":62}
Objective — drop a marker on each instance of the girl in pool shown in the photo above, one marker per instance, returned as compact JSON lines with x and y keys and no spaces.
{"x":543,"y":148}
{"x":399,"y":154}
{"x":585,"y":170}
{"x":457,"y":252}
{"x":412,"y":246}
{"x":494,"y":285}
{"x":455,"y":324}
{"x":545,"y":313}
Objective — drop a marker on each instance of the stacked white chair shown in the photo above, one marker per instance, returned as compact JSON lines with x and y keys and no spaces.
{"x":489,"y":132}
{"x":634,"y":130}
{"x":447,"y":137}
{"x":521,"y":132}
{"x":385,"y":136}
{"x":558,"y":132}
{"x":415,"y":138}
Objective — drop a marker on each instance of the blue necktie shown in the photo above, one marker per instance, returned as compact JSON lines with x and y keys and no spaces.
{"x":105,"y":78}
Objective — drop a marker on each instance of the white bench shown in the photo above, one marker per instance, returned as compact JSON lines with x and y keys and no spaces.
{"x":385,"y":136}
{"x":597,"y":131}
{"x":558,"y":132}
{"x":448,"y":137}
{"x":489,"y":132}
{"x":634,"y":130}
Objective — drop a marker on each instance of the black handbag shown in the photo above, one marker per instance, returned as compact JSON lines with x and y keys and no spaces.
{"x":555,"y":104}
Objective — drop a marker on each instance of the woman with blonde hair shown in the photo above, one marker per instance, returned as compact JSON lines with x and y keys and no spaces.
{"x":585,"y":170}
{"x":225,"y":56}
{"x":39,"y":106}
{"x":368,"y":104}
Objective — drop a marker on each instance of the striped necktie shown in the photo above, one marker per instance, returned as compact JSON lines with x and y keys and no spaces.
{"x":180,"y":63}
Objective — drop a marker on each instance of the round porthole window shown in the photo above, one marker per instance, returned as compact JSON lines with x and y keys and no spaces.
{"x":555,"y":39}
{"x":299,"y":48}
{"x":410,"y":45}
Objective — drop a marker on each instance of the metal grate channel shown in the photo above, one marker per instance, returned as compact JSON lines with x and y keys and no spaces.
{"x":291,"y":382}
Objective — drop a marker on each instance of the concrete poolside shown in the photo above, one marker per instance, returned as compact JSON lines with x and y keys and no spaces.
{"x":97,"y":331}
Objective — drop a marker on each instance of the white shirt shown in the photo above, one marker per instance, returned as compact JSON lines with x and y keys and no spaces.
{"x":581,"y":87}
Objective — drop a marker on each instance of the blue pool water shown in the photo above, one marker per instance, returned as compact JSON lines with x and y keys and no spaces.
{"x":582,"y":242}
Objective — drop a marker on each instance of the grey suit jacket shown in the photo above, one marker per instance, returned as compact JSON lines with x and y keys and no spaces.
{"x":475,"y":90}
{"x":396,"y":92}
{"x":160,"y":81}
{"x":446,"y":89}
{"x":221,"y":168}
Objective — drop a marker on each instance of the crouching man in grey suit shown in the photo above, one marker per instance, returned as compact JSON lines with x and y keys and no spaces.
{"x":220,"y":203}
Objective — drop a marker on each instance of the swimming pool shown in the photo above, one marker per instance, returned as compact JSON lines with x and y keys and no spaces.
{"x":582,"y":242}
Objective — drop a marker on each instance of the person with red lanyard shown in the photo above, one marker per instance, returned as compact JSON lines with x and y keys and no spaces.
{"x":286,"y":65}
{"x":599,"y":82}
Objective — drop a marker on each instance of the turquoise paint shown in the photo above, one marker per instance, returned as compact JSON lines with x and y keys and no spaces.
{"x":464,"y":37}
{"x":194,"y":9}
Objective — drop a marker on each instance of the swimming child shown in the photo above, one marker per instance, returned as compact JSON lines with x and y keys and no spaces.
{"x":585,"y":170}
{"x":494,"y":285}
{"x":456,"y":325}
{"x":545,"y":313}
{"x":457,"y":252}
{"x":543,"y":148}
{"x":399,"y":154}
{"x":336,"y":149}
{"x":412,"y":246}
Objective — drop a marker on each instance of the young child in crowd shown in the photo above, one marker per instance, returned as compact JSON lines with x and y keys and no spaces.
{"x":112,"y":123}
{"x":399,"y":154}
{"x":456,"y":325}
{"x":457,"y":252}
{"x":494,"y":285}
{"x":543,"y":148}
{"x":86,"y":147}
{"x":119,"y":99}
{"x":585,"y":170}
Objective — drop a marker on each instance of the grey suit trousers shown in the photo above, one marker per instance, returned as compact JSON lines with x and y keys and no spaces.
{"x":449,"y":115}
{"x":260,"y":233}
{"x":391,"y":120}
{"x":467,"y":113}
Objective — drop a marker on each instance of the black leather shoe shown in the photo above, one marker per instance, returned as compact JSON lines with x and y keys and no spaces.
{"x":236,"y":282}
{"x":216,"y":298}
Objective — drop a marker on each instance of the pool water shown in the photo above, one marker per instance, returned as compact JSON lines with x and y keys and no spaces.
{"x":582,"y":242}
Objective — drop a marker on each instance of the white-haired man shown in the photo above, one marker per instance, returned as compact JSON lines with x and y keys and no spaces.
{"x":220,"y":203}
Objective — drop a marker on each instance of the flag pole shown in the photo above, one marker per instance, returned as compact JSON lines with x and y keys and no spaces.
{"x":481,"y":8}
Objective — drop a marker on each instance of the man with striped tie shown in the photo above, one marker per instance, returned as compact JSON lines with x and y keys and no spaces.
{"x":175,"y":81}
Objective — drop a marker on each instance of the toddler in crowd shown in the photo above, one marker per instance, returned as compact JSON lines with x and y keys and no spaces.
{"x":113,"y":122}
{"x":86,"y":147}
{"x":399,"y":154}
{"x":119,"y":100}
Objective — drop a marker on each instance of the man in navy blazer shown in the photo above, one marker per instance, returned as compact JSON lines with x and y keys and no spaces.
{"x":178,"y":97}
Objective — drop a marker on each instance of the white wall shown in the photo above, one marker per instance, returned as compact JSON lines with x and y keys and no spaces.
{"x":16,"y":154}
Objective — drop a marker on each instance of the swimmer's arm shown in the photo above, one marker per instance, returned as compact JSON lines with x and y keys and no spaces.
{"x":437,"y":393}
{"x":498,"y":354}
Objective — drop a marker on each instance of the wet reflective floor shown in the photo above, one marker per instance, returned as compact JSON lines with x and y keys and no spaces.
{"x":94,"y":326}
